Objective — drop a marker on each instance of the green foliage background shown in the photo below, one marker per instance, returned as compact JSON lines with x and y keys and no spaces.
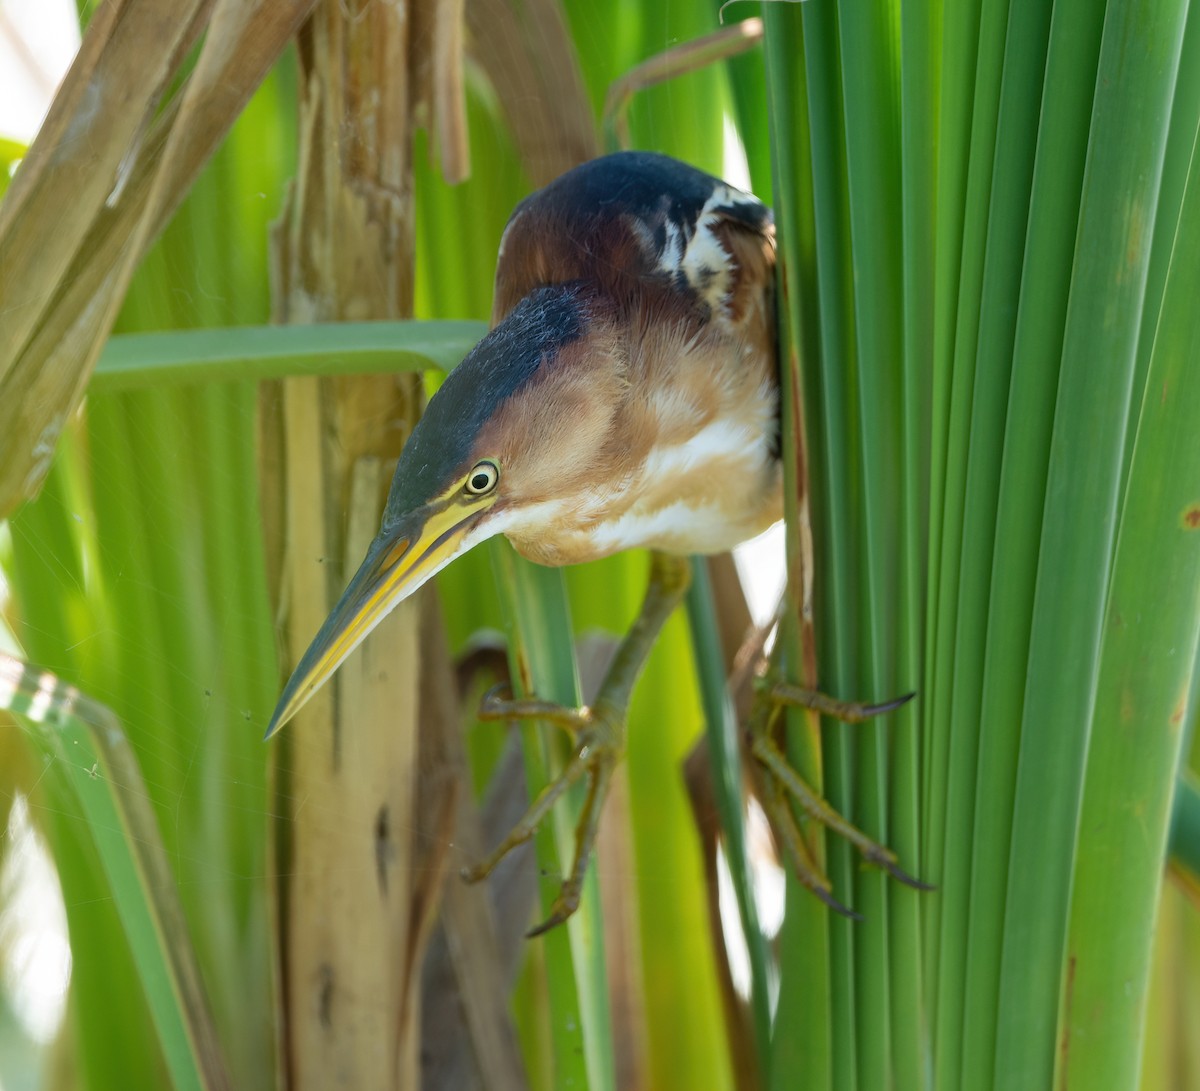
{"x":989,"y":215}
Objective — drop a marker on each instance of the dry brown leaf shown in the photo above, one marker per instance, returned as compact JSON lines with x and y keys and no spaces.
{"x":467,"y":1032}
{"x":94,"y":126}
{"x":107,"y":170}
{"x":448,"y":91}
{"x":528,"y":55}
{"x":671,"y":63}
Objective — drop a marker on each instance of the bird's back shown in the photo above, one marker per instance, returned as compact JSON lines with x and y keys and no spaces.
{"x":635,"y":221}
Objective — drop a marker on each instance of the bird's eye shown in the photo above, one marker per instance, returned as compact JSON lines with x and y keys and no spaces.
{"x":482,"y":479}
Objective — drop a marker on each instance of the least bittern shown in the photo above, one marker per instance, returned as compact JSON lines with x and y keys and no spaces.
{"x":626,"y":396}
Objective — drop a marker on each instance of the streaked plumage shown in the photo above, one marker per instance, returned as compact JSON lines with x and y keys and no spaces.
{"x":663,"y":411}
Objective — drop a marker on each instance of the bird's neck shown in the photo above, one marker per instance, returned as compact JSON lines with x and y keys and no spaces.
{"x":687,"y":463}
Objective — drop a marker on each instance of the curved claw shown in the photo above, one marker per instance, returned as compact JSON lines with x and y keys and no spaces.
{"x":787,"y":781}
{"x":804,"y":867}
{"x":849,"y":712}
{"x":562,"y":909}
{"x":495,"y":695}
{"x":832,"y":902}
{"x":899,"y":874}
{"x":887,"y":706}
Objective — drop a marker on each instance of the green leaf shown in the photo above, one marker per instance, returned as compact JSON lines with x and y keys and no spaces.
{"x":541,"y":650}
{"x":1138,"y":60}
{"x":725,"y":757}
{"x":133,"y":360}
{"x":87,"y":740}
{"x":1147,"y":672}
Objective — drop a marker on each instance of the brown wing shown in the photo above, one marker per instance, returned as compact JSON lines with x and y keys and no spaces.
{"x":636,"y":222}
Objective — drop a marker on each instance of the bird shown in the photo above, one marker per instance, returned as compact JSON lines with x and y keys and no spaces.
{"x":626,"y":396}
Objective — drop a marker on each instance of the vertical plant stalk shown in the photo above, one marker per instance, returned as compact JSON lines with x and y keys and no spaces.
{"x":527,"y":53}
{"x":1071,"y":57}
{"x":959,"y":35}
{"x":1009,"y":90}
{"x":1146,"y":687}
{"x":802,"y":1046}
{"x":727,"y":778}
{"x":542,"y":655}
{"x":467,"y":1035}
{"x":920,"y":29}
{"x":1139,"y":58}
{"x":871,"y":110}
{"x":343,"y":249}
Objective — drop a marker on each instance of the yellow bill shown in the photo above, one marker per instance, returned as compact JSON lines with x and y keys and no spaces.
{"x":399,"y":561}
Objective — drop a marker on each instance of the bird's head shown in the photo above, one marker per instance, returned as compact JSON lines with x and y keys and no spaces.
{"x":514,"y":432}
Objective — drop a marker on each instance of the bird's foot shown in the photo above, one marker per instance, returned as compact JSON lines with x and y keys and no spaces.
{"x":598,"y":738}
{"x":597,"y":733}
{"x":780,"y":781}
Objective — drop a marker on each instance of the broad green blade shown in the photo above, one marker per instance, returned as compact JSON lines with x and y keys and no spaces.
{"x":1045,"y":284}
{"x":920,"y":25}
{"x":1138,"y":59}
{"x":808,"y":1015}
{"x":86,"y":739}
{"x":986,"y":347}
{"x":725,"y":755}
{"x":137,"y":360}
{"x":541,"y":651}
{"x":869,"y":47}
{"x":677,"y":974}
{"x":1146,"y":686}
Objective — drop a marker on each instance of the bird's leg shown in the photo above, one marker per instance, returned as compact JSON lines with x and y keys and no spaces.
{"x":597,"y":733}
{"x":780,"y":784}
